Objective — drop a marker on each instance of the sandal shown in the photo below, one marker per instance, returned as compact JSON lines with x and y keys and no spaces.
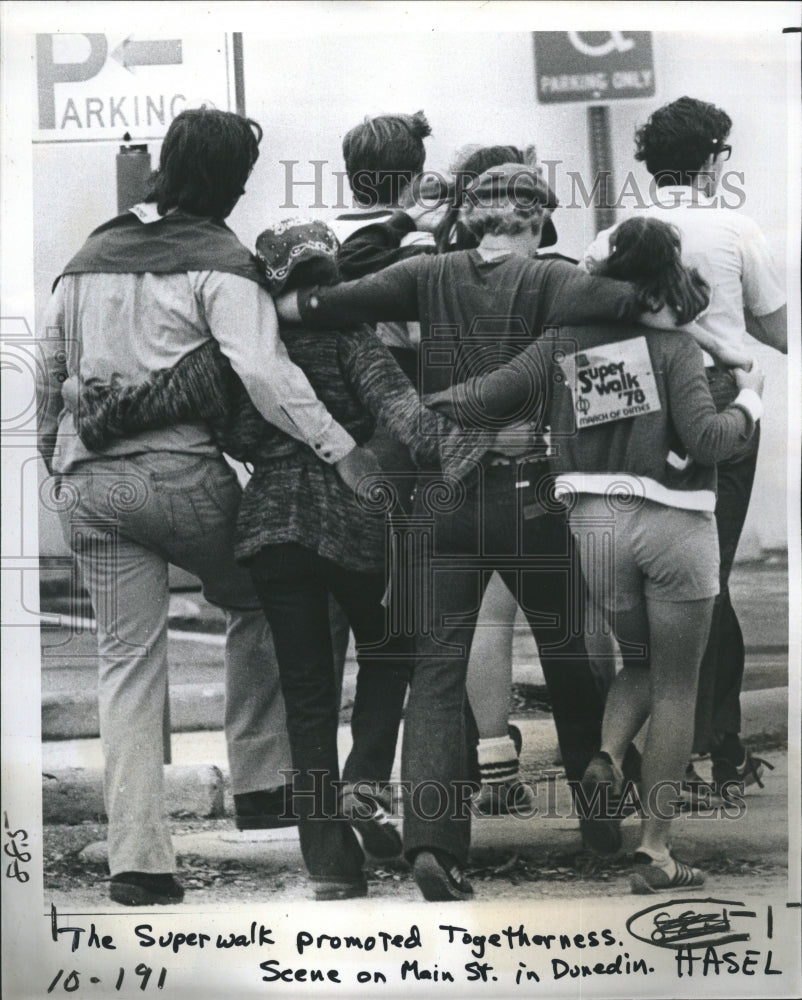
{"x":648,"y":876}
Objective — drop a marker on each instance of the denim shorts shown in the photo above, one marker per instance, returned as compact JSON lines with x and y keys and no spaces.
{"x":654,"y":551}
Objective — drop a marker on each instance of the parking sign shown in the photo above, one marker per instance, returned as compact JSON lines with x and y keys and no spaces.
{"x":593,"y":66}
{"x":97,"y":87}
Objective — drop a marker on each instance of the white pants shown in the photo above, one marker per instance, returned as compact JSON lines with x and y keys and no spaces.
{"x":127,"y":520}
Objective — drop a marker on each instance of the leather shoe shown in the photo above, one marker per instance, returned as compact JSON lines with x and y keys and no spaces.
{"x":265,"y":810}
{"x":439,"y":878}
{"x":145,"y":889}
{"x":602,"y":785}
{"x":331,"y":887}
{"x":365,"y":812}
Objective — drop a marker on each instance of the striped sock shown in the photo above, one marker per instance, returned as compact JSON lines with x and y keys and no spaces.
{"x":498,"y":761}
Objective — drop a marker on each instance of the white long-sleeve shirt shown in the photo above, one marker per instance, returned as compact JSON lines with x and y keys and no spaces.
{"x":129,"y":326}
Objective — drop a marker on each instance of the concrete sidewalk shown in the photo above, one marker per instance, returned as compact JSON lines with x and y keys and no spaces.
{"x":760,"y":834}
{"x":197,"y":782}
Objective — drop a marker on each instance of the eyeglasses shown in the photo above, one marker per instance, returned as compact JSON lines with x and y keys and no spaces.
{"x":724,"y":153}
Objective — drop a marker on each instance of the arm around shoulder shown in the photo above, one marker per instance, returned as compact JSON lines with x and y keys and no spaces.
{"x":242,"y":318}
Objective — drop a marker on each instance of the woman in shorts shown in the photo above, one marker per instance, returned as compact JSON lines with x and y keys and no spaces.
{"x":635,"y":438}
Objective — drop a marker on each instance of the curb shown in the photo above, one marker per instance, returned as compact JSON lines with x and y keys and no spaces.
{"x":198,"y":707}
{"x":764,"y":714}
{"x":759,"y":834}
{"x":193,"y":708}
{"x":75,"y":794}
{"x":75,"y":716}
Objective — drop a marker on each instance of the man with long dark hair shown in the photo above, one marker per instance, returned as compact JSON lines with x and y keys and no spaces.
{"x":145,"y":290}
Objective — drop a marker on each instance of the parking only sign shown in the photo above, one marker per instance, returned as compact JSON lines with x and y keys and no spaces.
{"x":593,"y":66}
{"x":92,"y":86}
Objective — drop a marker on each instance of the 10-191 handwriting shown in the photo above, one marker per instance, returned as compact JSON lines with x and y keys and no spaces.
{"x":72,"y":981}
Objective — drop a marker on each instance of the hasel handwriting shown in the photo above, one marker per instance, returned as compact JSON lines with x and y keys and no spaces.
{"x":696,"y":930}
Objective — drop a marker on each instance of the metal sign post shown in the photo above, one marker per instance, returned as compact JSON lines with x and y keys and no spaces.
{"x":133,"y":171}
{"x":601,"y":164}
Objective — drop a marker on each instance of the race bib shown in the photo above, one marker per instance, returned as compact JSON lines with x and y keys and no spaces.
{"x":611,"y":382}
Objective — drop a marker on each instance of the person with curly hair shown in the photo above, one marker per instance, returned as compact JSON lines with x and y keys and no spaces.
{"x":684,"y":147}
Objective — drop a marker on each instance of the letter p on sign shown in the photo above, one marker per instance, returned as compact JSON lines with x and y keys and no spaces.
{"x":49,"y":72}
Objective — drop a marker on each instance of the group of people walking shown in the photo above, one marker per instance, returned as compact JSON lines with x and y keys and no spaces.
{"x":507,"y":423}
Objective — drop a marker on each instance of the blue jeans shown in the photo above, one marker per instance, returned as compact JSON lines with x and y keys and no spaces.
{"x":491,"y":526}
{"x":718,"y":709}
{"x":294,"y":584}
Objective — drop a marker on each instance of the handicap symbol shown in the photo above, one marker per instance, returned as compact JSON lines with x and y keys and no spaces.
{"x":615,"y":43}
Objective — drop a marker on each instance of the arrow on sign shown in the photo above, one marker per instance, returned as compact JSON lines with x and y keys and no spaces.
{"x":154,"y":53}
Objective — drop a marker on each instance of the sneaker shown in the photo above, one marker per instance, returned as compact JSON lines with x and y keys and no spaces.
{"x":601,"y":830}
{"x":506,"y":798}
{"x":726,"y":774}
{"x":366,"y":814}
{"x":648,"y":876}
{"x":332,"y":887}
{"x":265,"y":810}
{"x":439,"y":878}
{"x":145,"y":889}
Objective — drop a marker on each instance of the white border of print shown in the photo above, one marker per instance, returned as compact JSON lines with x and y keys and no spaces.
{"x":30,"y":956}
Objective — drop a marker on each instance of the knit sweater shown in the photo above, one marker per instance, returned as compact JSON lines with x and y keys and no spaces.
{"x":626,"y":406}
{"x":299,"y":499}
